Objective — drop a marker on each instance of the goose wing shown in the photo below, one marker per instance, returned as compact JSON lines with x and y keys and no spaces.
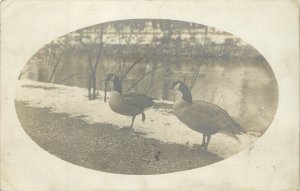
{"x":212,"y":115}
{"x":138,"y":100}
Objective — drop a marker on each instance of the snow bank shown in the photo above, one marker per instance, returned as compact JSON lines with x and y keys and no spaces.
{"x":160,"y":124}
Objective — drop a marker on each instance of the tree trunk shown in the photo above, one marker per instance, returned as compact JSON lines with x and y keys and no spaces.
{"x":89,"y":88}
{"x":105,"y":91}
{"x":166,"y":82}
{"x":94,"y":85}
{"x":53,"y":72}
{"x":244,"y":89}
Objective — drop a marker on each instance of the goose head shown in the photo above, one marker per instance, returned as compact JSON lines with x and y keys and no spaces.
{"x":111,"y":77}
{"x":182,"y":92}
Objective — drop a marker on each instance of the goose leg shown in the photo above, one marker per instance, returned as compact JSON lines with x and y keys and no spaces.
{"x":203,"y":140}
{"x":208,"y":139}
{"x":143,"y":117}
{"x":133,"y":117}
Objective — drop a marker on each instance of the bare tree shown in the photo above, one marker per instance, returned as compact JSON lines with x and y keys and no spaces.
{"x":92,"y":43}
{"x":244,"y":94}
{"x":200,"y":56}
{"x":49,"y":60}
{"x":127,"y":33}
{"x":190,"y":77}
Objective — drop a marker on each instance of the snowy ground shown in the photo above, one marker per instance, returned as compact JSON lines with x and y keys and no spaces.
{"x":160,"y":123}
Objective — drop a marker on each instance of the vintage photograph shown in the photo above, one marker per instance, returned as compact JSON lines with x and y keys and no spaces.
{"x":146,"y":96}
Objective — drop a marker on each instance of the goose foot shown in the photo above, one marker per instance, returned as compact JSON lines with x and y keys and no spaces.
{"x":143,"y":117}
{"x":204,"y":148}
{"x":205,"y":141}
{"x":201,"y":146}
{"x":132,"y":121}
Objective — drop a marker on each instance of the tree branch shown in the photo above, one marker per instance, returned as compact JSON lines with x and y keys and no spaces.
{"x":53,"y":71}
{"x":149,"y":53}
{"x":138,"y":61}
{"x":88,"y":54}
{"x":68,"y":77}
{"x":142,"y":77}
{"x":196,"y":76}
{"x":99,"y":51}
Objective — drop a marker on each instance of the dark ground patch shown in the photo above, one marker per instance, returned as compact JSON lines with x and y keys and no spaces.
{"x":107,"y":148}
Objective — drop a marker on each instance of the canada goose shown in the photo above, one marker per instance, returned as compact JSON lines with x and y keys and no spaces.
{"x":129,"y":104}
{"x":203,"y":117}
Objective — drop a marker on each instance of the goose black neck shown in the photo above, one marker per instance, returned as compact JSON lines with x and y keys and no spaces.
{"x":117,"y":85}
{"x":186,"y":94}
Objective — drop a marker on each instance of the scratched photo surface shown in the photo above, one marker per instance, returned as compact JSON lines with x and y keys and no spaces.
{"x":146,"y":96}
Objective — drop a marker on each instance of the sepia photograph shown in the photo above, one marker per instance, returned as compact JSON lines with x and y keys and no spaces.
{"x":149,"y":95}
{"x":146,"y":96}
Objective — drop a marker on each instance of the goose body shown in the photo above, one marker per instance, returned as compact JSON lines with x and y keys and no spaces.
{"x":203,"y":117}
{"x":129,"y":104}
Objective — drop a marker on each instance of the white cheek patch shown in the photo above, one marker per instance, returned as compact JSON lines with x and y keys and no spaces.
{"x":177,"y":87}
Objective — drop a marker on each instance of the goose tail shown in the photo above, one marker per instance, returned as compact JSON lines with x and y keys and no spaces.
{"x":237,"y":132}
{"x":237,"y":129}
